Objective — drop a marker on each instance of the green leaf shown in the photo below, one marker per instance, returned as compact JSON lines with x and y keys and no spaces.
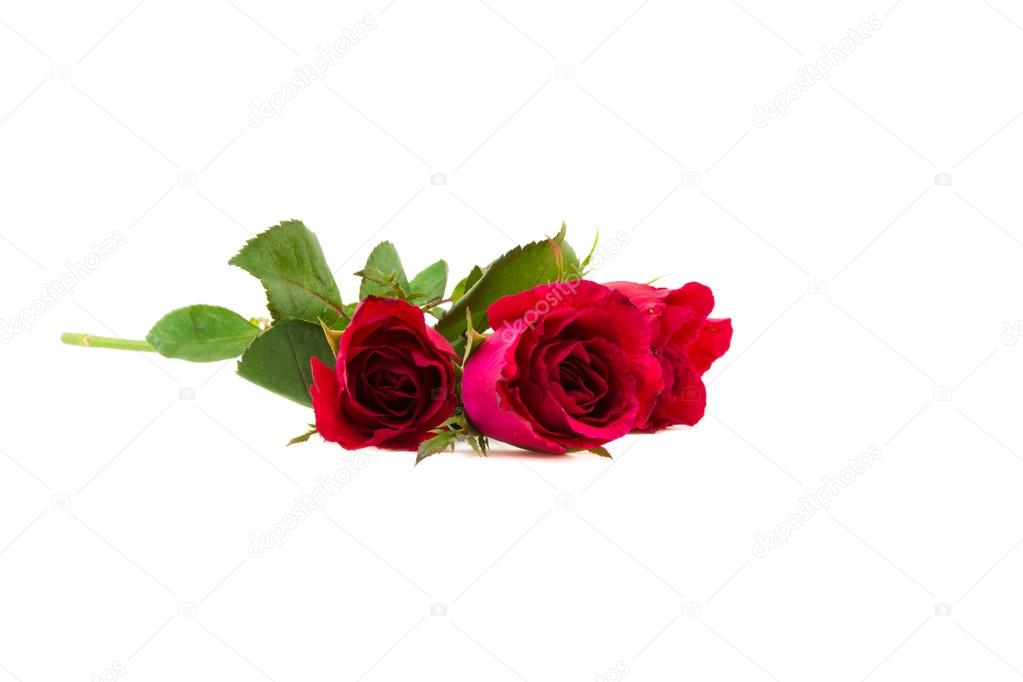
{"x":466,"y":282}
{"x":522,"y":268}
{"x":279,"y":359}
{"x":383,"y":260}
{"x":445,"y":440}
{"x":289,"y":262}
{"x":202,"y":333}
{"x":432,"y":281}
{"x":473,"y":277}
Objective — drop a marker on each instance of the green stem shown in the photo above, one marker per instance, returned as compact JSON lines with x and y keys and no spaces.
{"x":73,"y":339}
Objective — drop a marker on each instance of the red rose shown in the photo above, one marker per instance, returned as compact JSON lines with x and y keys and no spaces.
{"x":685,"y":342}
{"x":568,"y":366}
{"x":394,"y":381}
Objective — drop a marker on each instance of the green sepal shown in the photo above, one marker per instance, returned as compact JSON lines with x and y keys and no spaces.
{"x":589,"y":256}
{"x":385,"y":272}
{"x":302,"y":438}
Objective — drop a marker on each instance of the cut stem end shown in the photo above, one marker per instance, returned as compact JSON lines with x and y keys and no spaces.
{"x":90,"y":341}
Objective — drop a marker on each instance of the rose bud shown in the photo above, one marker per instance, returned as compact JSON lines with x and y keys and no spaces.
{"x":568,"y":367}
{"x":394,"y":380}
{"x":685,"y":342}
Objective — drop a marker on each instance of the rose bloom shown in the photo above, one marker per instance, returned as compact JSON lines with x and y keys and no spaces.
{"x":394,"y":380}
{"x":569,"y":366}
{"x":685,"y":342}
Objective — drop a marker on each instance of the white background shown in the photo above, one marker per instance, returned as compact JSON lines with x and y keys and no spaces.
{"x":861,"y":289}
